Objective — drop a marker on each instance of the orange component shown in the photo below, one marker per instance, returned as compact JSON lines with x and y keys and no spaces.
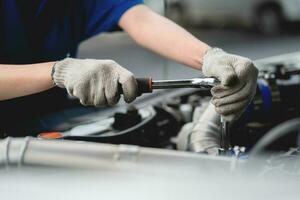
{"x":50,"y":135}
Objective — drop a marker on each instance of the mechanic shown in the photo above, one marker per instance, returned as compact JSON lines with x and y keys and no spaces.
{"x":47,"y":33}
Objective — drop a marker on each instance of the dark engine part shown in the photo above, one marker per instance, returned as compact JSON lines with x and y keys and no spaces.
{"x":154,"y":130}
{"x":126,"y":120}
{"x":277,"y":100}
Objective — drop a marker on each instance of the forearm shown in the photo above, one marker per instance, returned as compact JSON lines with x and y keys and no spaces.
{"x":21,"y":80}
{"x":164,"y":37}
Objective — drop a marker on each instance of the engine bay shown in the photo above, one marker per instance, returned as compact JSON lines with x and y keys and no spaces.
{"x":165,"y":120}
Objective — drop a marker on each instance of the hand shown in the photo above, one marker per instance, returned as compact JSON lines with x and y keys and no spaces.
{"x":238,"y":77}
{"x":95,"y":82}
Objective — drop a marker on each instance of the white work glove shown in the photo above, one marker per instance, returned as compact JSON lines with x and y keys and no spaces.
{"x":238,"y":77}
{"x":95,"y":82}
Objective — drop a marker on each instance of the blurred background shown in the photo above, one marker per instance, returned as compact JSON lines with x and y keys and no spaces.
{"x":251,"y":28}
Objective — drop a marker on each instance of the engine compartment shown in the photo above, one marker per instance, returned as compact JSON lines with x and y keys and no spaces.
{"x":159,"y":121}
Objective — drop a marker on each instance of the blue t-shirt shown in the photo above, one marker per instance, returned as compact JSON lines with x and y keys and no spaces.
{"x":46,"y":30}
{"x":43,"y":30}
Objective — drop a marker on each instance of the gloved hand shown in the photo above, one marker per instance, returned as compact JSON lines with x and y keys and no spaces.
{"x":95,"y":82}
{"x":238,"y":77}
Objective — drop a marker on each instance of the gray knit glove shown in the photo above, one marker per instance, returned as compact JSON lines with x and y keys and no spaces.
{"x":95,"y":82}
{"x":238,"y":77}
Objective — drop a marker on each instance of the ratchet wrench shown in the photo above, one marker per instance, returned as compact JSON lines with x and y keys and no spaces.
{"x":147,"y":85}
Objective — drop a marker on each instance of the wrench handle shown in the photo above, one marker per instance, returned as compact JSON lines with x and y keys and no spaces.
{"x":144,"y":86}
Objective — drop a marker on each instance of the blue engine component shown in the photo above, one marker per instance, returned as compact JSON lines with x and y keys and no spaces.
{"x":262,"y":103}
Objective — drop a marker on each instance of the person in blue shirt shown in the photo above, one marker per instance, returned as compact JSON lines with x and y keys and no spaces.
{"x":38,"y":45}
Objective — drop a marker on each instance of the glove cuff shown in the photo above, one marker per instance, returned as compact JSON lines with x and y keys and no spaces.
{"x":213,"y":51}
{"x":209,"y":59}
{"x":60,"y":70}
